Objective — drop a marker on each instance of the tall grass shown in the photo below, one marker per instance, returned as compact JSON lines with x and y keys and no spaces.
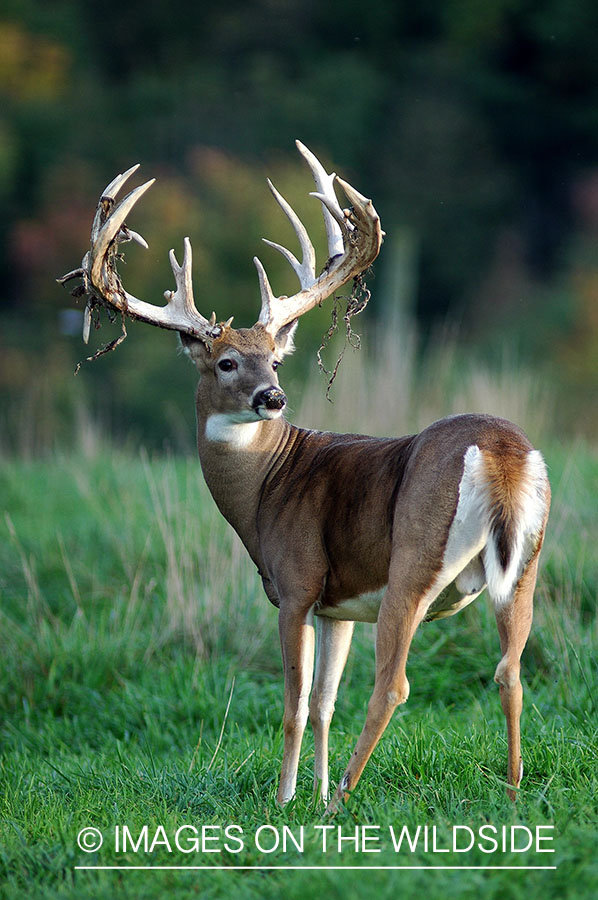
{"x":392,"y":386}
{"x":145,"y":554}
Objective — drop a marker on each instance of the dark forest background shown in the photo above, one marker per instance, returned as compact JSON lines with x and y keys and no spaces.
{"x":473,"y":126}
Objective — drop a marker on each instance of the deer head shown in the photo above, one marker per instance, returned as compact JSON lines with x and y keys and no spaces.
{"x":244,"y":361}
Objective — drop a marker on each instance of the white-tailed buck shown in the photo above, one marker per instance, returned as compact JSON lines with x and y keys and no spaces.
{"x":330,"y":518}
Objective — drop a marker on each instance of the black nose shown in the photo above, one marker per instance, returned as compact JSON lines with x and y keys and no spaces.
{"x":271,"y":398}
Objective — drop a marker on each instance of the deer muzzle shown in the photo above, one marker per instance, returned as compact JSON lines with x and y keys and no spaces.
{"x":271,"y":398}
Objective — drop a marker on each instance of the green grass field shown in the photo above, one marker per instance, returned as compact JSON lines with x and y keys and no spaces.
{"x":141,"y":686}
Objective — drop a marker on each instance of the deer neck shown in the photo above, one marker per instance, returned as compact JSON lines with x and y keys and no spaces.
{"x":236,"y":460}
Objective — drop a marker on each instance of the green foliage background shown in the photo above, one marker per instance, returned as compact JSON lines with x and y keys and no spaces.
{"x":472,"y":125}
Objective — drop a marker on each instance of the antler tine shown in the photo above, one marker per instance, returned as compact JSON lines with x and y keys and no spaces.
{"x":109,"y":193}
{"x":333,"y":210}
{"x":181,"y":305}
{"x":183,"y":295}
{"x":112,"y":226}
{"x":306,"y":269}
{"x":115,"y":185}
{"x":362,"y":207}
{"x":102,"y":283}
{"x":333,"y":214}
{"x":266,"y":292}
{"x":354,"y":238}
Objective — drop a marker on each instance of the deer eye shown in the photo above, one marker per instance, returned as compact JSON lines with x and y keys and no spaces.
{"x":227,"y":365}
{"x":276,"y":364}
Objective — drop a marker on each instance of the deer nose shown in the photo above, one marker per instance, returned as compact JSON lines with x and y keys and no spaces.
{"x":271,"y":398}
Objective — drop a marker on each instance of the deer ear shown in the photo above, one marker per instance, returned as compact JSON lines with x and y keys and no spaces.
{"x":196,"y":350}
{"x":285,"y":336}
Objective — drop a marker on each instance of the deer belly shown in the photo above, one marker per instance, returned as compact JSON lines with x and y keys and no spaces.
{"x":449,"y":602}
{"x":468,"y":585}
{"x":363,"y":608}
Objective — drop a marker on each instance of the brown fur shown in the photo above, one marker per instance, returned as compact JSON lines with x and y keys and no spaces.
{"x":243,"y":340}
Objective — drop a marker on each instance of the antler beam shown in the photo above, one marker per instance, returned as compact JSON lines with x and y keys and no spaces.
{"x":353,"y":235}
{"x":102,"y":283}
{"x":354,"y":238}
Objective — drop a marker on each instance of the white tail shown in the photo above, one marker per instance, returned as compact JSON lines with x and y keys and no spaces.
{"x":516,"y":530}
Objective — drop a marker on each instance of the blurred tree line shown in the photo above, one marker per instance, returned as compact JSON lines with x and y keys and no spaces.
{"x":474,"y":127}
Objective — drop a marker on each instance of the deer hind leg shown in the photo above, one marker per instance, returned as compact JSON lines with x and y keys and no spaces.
{"x":297,"y":642}
{"x":332,"y":648}
{"x":514,"y":619}
{"x":400,"y":614}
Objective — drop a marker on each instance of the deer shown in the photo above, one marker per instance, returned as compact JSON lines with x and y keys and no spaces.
{"x":343,"y":527}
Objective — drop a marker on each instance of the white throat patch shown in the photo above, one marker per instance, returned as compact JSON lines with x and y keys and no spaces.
{"x":229,"y":428}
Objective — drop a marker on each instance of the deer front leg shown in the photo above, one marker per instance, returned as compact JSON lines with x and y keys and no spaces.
{"x":332,"y":648}
{"x":297,"y":642}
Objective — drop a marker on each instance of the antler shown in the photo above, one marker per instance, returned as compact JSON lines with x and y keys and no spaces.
{"x":354,"y":239}
{"x":102,"y":283}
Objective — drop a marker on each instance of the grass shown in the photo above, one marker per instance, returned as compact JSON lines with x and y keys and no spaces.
{"x":141,"y":686}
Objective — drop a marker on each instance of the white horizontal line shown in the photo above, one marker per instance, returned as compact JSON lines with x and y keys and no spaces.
{"x":311,"y":868}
